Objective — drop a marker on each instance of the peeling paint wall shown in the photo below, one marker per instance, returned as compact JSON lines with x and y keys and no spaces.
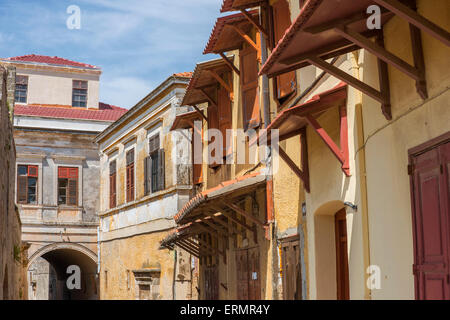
{"x":131,"y":264}
{"x":13,"y":254}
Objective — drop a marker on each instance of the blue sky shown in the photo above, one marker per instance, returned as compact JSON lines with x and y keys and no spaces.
{"x":137,"y":43}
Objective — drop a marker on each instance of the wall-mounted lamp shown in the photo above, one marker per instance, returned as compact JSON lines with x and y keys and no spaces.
{"x":351,"y":205}
{"x":304,"y":209}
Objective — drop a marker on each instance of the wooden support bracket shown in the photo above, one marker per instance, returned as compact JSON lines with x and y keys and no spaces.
{"x":200,"y":112}
{"x":222,"y":82}
{"x":208,"y":97}
{"x":246,"y":226}
{"x":342,"y":75}
{"x":342,"y":152}
{"x":419,"y":61}
{"x":245,"y":37}
{"x":416,"y":19}
{"x":378,"y":51}
{"x":256,"y":24}
{"x":303,"y":173}
{"x":228,"y":63}
{"x":243,"y":213}
{"x":383,"y":77}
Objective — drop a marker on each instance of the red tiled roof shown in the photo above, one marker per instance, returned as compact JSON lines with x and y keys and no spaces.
{"x":227,"y":5}
{"x":183,"y":74}
{"x":105,"y":112}
{"x":218,"y":27}
{"x":50,"y":60}
{"x":203,"y":196}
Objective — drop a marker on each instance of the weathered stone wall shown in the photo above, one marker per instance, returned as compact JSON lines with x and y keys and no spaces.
{"x":12,"y":274}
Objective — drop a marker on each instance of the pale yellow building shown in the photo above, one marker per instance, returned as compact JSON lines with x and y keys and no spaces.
{"x":144,"y":181}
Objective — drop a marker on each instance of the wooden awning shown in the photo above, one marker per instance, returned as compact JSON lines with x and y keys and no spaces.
{"x":293,"y":121}
{"x":217,"y":198}
{"x":302,"y":39}
{"x":229,"y":33}
{"x":186,"y":120}
{"x":204,"y":81}
{"x":236,"y":5}
{"x":210,"y":211}
{"x":325,"y":29}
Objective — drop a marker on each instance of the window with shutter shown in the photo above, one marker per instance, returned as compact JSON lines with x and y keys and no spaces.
{"x":67,"y":186}
{"x":112,"y":184}
{"x":197,"y":167}
{"x":27,"y":178}
{"x":130,"y":175}
{"x":147,"y":174}
{"x":224,"y":106}
{"x":21,"y":89}
{"x":79,"y":93}
{"x":249,"y":87}
{"x":155,"y":165}
{"x":285,"y":83}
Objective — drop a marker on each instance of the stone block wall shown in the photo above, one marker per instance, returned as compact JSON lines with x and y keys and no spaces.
{"x":12,"y":252}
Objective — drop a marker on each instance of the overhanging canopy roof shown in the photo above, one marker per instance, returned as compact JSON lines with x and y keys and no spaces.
{"x":291,"y":121}
{"x":204,"y":79}
{"x":234,"y":5}
{"x":232,"y":188}
{"x":185,"y":120}
{"x":312,"y":33}
{"x":224,"y":37}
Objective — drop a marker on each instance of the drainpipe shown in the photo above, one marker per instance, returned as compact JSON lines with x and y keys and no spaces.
{"x":361,"y":155}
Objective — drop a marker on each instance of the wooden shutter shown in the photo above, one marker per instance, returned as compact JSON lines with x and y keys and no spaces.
{"x":147,"y":174}
{"x":72,"y":191}
{"x":112,"y":184}
{"x":224,"y":108}
{"x":242,"y":274}
{"x":130,"y":175}
{"x":161,"y":170}
{"x":213,"y":123}
{"x":292,"y":282}
{"x":285,"y":83}
{"x":22,"y":189}
{"x":154,"y":144}
{"x":343,"y":291}
{"x":212,"y":283}
{"x":197,"y":174}
{"x":431,"y":219}
{"x":249,"y":87}
{"x":33,"y":171}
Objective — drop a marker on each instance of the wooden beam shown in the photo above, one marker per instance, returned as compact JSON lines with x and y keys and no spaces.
{"x":340,"y":153}
{"x":183,"y":246}
{"x":228,"y":63}
{"x":220,"y":80}
{"x":229,"y":216}
{"x":304,"y":159}
{"x":215,"y":227}
{"x":419,"y":61}
{"x":342,"y":75}
{"x":383,"y":78}
{"x":208,"y":97}
{"x":243,"y":213}
{"x":378,"y":51}
{"x":244,"y":36}
{"x":340,"y":22}
{"x":416,"y":19}
{"x":256,"y":24}
{"x":200,"y":112}
{"x":291,"y":163}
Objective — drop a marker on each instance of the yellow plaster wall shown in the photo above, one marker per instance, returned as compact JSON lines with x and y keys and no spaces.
{"x":415,"y":121}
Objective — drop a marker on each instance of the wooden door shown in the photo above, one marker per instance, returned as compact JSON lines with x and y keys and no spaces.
{"x":430,"y":203}
{"x":342,"y":278}
{"x":212,"y":283}
{"x":248,"y":274}
{"x":249,"y":87}
{"x":291,"y":272}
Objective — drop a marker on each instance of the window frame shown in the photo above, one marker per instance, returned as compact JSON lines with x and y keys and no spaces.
{"x":21,"y":80}
{"x":113,"y":195}
{"x":130,"y":166}
{"x":80,"y":94}
{"x":67,"y":187}
{"x":28,"y":177}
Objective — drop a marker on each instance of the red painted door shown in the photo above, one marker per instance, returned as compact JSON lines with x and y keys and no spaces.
{"x":430,"y":196}
{"x":342,"y":277}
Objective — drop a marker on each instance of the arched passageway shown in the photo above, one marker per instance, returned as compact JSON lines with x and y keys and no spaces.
{"x":49,"y":272}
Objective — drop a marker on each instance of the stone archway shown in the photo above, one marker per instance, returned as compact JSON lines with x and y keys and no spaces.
{"x":48,"y":273}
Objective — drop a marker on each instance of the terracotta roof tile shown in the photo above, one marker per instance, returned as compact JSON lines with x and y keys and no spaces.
{"x":183,"y":74}
{"x":50,"y":60}
{"x":105,"y":112}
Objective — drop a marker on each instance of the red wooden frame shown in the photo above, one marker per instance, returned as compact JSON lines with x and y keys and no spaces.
{"x":340,"y":153}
